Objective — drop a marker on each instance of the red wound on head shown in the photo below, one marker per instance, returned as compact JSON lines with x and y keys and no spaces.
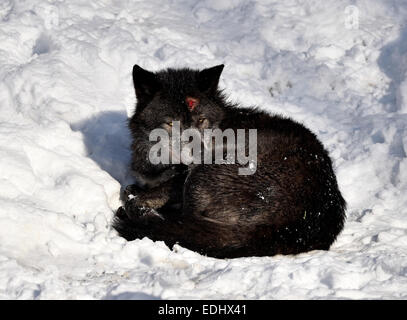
{"x":191,"y":103}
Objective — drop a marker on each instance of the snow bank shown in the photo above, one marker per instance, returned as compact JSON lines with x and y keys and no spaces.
{"x":65,"y":95}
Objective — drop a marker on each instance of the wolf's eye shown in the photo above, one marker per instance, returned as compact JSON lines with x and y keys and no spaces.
{"x":201,"y":120}
{"x":167,"y":124}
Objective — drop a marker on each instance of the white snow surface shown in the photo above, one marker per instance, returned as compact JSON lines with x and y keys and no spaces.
{"x":66,"y":92}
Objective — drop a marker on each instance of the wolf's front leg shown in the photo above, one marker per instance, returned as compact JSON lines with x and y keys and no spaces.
{"x":167,"y":193}
{"x":140,"y":214}
{"x":152,"y":198}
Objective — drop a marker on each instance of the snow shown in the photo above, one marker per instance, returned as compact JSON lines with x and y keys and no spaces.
{"x":65,"y":95}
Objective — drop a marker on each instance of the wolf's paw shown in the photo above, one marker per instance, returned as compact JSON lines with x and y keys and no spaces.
{"x":140,"y":214}
{"x":121,"y":213}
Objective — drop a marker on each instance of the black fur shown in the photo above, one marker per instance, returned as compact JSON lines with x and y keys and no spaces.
{"x":291,"y":204}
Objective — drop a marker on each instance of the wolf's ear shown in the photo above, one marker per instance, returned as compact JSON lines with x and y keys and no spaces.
{"x":145,"y":83}
{"x":208,"y":79}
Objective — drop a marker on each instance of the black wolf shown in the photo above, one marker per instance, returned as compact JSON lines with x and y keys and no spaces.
{"x":291,"y":204}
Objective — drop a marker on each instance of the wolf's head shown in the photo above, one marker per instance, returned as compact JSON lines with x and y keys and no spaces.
{"x":183,"y":97}
{"x":188,"y":96}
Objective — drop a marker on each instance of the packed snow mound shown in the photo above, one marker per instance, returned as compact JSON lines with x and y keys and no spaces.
{"x":340,"y":67}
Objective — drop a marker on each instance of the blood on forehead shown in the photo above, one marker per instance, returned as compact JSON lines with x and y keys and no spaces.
{"x":191,"y":102}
